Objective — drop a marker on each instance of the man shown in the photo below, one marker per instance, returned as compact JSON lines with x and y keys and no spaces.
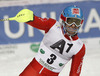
{"x":59,"y":45}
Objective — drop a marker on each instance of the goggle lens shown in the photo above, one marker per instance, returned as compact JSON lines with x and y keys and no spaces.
{"x":73,"y":20}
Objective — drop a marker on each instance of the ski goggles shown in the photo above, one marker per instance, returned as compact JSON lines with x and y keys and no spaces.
{"x":71,"y":20}
{"x":75,"y":21}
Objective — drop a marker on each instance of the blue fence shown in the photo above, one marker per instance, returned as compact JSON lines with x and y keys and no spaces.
{"x":90,"y":29}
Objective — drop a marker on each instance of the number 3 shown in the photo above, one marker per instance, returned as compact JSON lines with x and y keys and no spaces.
{"x":51,"y":60}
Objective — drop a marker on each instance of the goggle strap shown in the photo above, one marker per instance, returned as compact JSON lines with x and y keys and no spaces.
{"x":82,"y":21}
{"x":63,"y":18}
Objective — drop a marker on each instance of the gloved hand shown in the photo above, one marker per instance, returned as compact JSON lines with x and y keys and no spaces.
{"x":24,"y":15}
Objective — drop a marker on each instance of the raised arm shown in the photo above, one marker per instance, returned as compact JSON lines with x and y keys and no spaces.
{"x":42,"y":23}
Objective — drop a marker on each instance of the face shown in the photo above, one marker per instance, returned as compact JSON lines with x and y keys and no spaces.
{"x":72,"y":29}
{"x":72,"y":25}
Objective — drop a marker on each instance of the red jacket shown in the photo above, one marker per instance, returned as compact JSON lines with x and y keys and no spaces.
{"x":77,"y":60}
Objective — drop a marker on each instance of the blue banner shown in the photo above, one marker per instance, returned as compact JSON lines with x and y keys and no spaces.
{"x":14,"y":32}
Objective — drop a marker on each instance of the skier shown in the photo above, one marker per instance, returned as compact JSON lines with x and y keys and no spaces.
{"x":60,"y":43}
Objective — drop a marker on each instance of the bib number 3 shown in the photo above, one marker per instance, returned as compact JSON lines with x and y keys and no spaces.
{"x":51,"y":60}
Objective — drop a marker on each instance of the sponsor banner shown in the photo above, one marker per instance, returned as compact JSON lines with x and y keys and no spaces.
{"x":13,"y":32}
